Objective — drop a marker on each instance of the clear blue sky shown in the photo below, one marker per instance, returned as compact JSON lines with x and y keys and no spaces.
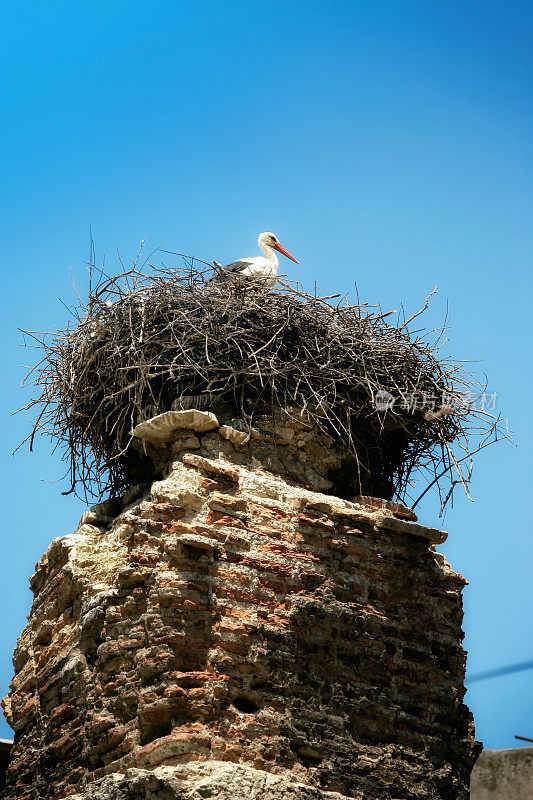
{"x":387,"y":143}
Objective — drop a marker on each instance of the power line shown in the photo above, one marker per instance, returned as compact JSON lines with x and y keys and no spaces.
{"x":495,"y":673}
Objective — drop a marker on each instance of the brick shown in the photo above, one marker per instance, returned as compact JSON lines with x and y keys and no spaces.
{"x":270,"y":512}
{"x":219,"y":519}
{"x":316,"y":522}
{"x":228,"y":501}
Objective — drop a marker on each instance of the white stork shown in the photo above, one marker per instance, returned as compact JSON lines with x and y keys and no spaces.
{"x":263,"y":268}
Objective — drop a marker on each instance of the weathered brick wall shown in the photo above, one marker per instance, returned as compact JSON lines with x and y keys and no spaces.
{"x":233,"y":633}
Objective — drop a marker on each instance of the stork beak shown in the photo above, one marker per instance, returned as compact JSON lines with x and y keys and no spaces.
{"x":285,"y":252}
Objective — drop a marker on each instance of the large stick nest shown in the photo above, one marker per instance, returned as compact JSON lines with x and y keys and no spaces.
{"x":146,"y":338}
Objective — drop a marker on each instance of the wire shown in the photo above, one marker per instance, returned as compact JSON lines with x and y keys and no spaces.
{"x":496,"y":673}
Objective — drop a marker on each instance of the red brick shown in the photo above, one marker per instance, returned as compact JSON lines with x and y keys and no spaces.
{"x":270,"y":512}
{"x":316,"y":522}
{"x":219,"y":519}
{"x":228,"y":501}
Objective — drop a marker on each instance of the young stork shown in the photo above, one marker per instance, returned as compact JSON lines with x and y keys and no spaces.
{"x":263,"y":268}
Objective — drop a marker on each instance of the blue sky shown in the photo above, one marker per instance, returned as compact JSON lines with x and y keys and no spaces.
{"x":386,"y":143}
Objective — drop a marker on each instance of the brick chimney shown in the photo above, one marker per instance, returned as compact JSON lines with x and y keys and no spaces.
{"x":235,"y":630}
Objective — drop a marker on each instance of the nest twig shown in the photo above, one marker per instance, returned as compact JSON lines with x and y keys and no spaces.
{"x":151,"y":335}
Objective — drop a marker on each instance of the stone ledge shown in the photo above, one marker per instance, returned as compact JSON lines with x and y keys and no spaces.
{"x":162,"y":428}
{"x":434,"y":535}
{"x":220,"y":779}
{"x":398,"y":509}
{"x":219,"y":468}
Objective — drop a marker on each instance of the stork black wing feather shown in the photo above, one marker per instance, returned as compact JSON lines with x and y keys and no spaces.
{"x":232,"y":269}
{"x":237,"y":266}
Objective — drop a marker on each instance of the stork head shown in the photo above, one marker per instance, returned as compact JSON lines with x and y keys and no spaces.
{"x":269,"y":239}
